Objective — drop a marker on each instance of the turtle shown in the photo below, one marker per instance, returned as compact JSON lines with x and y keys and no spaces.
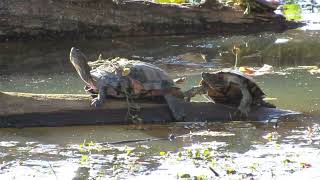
{"x":122,"y":77}
{"x":230,"y":87}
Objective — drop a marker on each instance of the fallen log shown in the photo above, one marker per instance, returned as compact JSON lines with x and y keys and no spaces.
{"x":36,"y":110}
{"x":74,"y":19}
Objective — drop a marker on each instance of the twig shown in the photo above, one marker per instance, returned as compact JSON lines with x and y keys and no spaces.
{"x":171,"y":137}
{"x":214,"y":172}
{"x":236,"y":51}
{"x":54,"y":172}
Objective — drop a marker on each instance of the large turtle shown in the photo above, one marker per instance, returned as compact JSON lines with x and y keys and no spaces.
{"x":121,"y":78}
{"x":232,"y":88}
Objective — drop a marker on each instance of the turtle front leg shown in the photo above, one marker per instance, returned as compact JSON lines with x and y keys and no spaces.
{"x":248,"y":8}
{"x":246,"y":100}
{"x":247,"y":5}
{"x":194,"y":91}
{"x":98,"y":101}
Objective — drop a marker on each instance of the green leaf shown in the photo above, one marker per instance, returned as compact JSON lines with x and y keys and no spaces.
{"x":185,"y":176}
{"x":230,"y":170}
{"x":84,"y":159}
{"x":91,"y":143}
{"x":286,"y":161}
{"x":305,"y":165}
{"x":163,"y":153}
{"x":189,"y":153}
{"x":129,"y":152}
{"x":179,"y":158}
{"x":201,"y":177}
{"x":198,"y":155}
{"x":207,"y":153}
{"x":292,"y":11}
{"x":254,"y":166}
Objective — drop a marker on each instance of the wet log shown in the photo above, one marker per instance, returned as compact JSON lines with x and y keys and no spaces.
{"x":73,"y":19}
{"x":36,"y":110}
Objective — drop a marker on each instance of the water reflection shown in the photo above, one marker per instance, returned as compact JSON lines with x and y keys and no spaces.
{"x":52,"y":57}
{"x":50,"y":152}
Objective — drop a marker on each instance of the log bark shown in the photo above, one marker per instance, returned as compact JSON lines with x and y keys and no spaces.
{"x":35,"y":110}
{"x":54,"y":19}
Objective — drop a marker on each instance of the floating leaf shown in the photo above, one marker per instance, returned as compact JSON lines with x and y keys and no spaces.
{"x":179,"y":156}
{"x":185,"y":176}
{"x":84,"y":159}
{"x":254,"y":166}
{"x":268,"y":136}
{"x":198,"y":154}
{"x":286,"y":161}
{"x":271,"y":136}
{"x":201,"y":177}
{"x":129,"y":152}
{"x":292,"y":11}
{"x":189,"y":153}
{"x":230,"y":170}
{"x":305,"y":165}
{"x":91,"y":143}
{"x":207,"y":153}
{"x":163,"y":153}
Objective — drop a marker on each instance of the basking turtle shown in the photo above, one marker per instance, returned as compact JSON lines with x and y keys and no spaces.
{"x":123,"y":78}
{"x":231,"y":88}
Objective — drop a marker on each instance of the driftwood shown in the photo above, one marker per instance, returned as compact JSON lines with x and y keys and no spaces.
{"x":54,"y":19}
{"x":30,"y":110}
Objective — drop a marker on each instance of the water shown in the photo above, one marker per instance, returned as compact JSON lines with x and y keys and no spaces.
{"x":233,"y":149}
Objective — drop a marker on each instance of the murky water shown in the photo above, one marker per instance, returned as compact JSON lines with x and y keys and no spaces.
{"x":233,"y":150}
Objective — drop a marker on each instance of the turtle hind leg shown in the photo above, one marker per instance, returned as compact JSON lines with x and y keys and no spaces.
{"x":246,"y":101}
{"x":176,"y":106}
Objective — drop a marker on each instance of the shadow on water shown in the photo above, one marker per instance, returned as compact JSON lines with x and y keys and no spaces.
{"x":232,"y":149}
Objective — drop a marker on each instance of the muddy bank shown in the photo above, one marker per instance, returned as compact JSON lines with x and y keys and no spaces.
{"x":55,"y":19}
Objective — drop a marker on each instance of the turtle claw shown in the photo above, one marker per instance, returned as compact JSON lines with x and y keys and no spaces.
{"x":242,"y":113}
{"x":96,"y":102}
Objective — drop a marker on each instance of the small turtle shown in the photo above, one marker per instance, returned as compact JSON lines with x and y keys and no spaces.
{"x":231,"y":88}
{"x":123,"y":77}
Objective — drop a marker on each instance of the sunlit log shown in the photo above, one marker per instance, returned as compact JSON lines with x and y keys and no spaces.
{"x":30,"y":110}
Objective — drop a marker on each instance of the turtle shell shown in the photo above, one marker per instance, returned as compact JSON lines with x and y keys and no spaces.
{"x":222,"y":87}
{"x":141,"y":77}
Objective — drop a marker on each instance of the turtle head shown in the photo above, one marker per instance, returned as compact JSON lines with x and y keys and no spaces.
{"x":79,"y":62}
{"x":214,"y":80}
